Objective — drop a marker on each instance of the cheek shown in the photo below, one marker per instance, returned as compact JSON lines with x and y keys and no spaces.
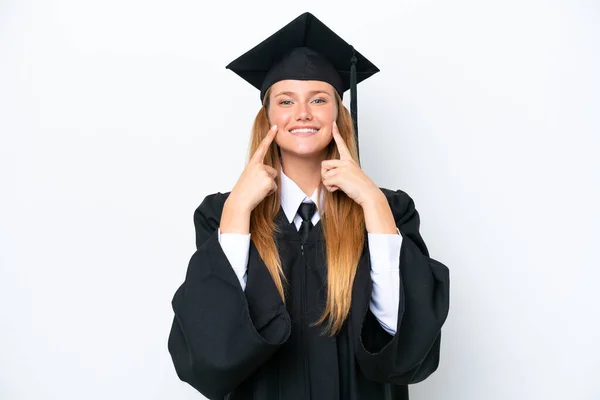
{"x":279,"y":117}
{"x":326,"y":115}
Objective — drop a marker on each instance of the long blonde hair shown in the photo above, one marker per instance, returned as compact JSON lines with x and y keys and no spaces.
{"x":342,"y":222}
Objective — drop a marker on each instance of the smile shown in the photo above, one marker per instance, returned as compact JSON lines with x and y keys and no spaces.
{"x":304,"y":131}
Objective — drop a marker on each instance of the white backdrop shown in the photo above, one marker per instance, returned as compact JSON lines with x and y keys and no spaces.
{"x":118,"y":117}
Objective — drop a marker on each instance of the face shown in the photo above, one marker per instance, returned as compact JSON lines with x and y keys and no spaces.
{"x":304,"y":112}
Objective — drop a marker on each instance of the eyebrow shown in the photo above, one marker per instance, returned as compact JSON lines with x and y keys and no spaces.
{"x":311,"y":93}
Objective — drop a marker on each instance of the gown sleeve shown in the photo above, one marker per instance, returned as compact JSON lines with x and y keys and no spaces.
{"x":412,"y":353}
{"x":220,"y":335}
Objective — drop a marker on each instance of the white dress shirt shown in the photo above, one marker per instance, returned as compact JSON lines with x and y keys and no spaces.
{"x":384,"y":251}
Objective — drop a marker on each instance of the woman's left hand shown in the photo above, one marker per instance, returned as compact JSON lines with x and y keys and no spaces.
{"x":346,"y":174}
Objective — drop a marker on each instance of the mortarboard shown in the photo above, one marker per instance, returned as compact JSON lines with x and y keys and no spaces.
{"x":305,"y":49}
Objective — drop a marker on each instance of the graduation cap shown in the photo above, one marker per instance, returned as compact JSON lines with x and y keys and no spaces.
{"x":305,"y":49}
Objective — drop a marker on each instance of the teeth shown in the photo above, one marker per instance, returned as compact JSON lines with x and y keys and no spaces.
{"x":304,"y":130}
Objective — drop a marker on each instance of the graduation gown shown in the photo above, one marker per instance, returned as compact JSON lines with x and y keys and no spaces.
{"x":233,"y":344}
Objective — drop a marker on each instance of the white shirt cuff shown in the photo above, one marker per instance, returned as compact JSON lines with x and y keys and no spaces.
{"x":384,"y":250}
{"x":236,"y":247}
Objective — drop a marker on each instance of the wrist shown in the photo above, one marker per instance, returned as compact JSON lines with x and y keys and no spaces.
{"x":373,"y":198}
{"x":378,"y":214}
{"x":235,"y":218}
{"x":237,"y":206}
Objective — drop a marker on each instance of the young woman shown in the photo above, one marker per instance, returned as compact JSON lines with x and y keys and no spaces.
{"x":309,"y":281}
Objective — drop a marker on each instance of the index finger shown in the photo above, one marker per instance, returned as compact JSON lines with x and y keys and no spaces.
{"x":261,"y":151}
{"x":341,"y":145}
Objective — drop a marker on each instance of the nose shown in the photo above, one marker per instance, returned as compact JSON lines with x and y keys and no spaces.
{"x":303,"y":112}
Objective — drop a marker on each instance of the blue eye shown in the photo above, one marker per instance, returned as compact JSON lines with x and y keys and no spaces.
{"x":289,"y":102}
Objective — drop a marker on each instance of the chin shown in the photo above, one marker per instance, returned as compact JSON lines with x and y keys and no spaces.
{"x":303,"y":152}
{"x":305,"y":147}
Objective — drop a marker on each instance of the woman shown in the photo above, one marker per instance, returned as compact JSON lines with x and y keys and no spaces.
{"x":309,"y":281}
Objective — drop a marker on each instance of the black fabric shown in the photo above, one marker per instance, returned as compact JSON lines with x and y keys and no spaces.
{"x":303,"y":63}
{"x":233,"y":344}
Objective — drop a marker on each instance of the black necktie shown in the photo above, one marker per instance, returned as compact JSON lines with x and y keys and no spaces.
{"x":306,"y":211}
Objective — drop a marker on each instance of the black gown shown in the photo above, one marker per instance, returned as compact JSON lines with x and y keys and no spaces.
{"x":233,"y":344}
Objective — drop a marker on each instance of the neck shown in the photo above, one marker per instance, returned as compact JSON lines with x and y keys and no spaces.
{"x":306,"y":172}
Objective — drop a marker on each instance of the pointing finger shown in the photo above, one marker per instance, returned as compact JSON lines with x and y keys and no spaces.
{"x":341,"y":145}
{"x":261,"y":151}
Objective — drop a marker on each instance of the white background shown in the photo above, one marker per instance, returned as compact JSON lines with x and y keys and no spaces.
{"x":118,"y":117}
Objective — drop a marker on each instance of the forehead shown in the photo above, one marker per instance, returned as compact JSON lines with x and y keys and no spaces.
{"x":301,"y":87}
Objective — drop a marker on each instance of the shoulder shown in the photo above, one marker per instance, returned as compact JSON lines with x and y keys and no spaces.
{"x":402,"y":205}
{"x":210,"y":209}
{"x":406,"y":217}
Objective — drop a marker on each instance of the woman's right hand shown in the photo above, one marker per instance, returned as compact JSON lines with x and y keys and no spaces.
{"x":257,"y":180}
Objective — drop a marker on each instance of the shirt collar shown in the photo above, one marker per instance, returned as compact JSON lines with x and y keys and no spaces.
{"x":292,"y":196}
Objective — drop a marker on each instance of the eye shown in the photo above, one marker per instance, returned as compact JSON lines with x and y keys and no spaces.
{"x":319,"y":101}
{"x":285,"y":102}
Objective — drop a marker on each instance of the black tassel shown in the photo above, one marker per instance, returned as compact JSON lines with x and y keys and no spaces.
{"x":353,"y":97}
